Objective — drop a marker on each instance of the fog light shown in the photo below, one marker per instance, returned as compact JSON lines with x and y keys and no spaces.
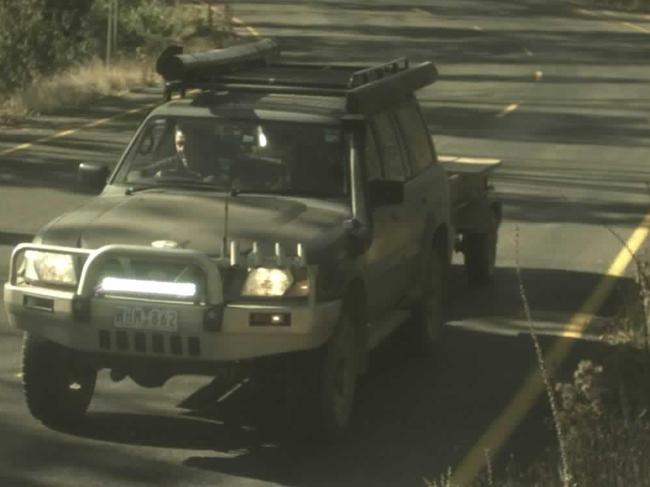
{"x":35,"y":302}
{"x":270,"y":319}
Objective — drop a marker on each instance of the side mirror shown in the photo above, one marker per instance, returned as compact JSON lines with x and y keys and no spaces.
{"x":385,"y":193}
{"x":91,"y":177}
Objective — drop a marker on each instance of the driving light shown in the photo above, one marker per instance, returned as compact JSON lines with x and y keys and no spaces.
{"x":267,"y":282}
{"x":49,"y":267}
{"x":138,"y":286}
{"x":262,"y":141}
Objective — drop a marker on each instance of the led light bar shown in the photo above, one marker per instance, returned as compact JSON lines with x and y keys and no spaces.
{"x":158,"y":288}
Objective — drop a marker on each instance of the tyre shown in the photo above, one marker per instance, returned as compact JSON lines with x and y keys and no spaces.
{"x":58,"y":387}
{"x":480,"y":251}
{"x":424,"y":329}
{"x":321,"y":385}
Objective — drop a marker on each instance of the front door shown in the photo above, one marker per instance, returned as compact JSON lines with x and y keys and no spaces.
{"x":387,"y":256}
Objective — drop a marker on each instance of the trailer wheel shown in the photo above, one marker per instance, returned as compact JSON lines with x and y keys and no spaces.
{"x":57,"y":386}
{"x":321,"y":384}
{"x":480,"y":250}
{"x":424,"y":329}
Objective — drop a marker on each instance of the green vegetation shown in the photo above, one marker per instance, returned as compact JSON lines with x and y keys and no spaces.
{"x":39,"y":36}
{"x":55,"y":48}
{"x":604,"y":413}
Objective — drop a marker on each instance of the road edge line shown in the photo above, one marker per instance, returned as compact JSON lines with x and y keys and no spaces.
{"x":65,"y":133}
{"x":251,"y":30}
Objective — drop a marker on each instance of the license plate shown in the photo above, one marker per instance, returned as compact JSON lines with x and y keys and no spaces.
{"x":146,"y":318}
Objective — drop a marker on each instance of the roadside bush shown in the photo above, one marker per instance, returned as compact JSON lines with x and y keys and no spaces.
{"x":37,"y":37}
{"x":41,"y":37}
{"x":143,"y":25}
{"x":605,"y":418}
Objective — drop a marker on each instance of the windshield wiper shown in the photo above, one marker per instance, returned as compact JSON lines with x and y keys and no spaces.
{"x":175,"y":183}
{"x":284,"y":192}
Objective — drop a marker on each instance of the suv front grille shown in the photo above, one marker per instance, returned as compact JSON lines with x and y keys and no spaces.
{"x":141,"y":342}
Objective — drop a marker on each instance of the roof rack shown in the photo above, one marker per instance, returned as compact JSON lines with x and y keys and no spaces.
{"x":255,"y":67}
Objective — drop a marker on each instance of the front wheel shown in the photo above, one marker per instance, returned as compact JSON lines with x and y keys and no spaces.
{"x":321,"y":386}
{"x":58,"y":387}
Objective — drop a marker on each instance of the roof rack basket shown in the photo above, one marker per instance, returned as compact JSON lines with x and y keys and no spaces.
{"x":256,"y":67}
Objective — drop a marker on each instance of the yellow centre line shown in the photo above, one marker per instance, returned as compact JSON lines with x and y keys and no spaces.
{"x":421,"y":11}
{"x":251,"y":30}
{"x":498,"y":432}
{"x":584,"y":12}
{"x":65,"y":133}
{"x":435,"y":18}
{"x":612,"y":16}
{"x":636,"y":27}
{"x":509,"y":109}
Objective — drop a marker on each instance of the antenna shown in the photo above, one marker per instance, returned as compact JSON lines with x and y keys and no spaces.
{"x":224,"y":244}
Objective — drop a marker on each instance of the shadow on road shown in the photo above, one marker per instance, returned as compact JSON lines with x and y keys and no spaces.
{"x":178,"y":432}
{"x":414,"y":417}
{"x":573,"y":40}
{"x":560,"y":127}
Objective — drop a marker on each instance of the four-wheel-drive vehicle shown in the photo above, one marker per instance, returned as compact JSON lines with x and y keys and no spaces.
{"x":291,"y":215}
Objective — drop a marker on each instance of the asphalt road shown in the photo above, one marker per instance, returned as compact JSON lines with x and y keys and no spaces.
{"x":561,"y":94}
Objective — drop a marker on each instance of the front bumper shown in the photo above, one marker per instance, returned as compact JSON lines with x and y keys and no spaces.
{"x":54,"y":315}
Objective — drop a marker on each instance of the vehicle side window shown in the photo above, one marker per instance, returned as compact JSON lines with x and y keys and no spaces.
{"x":416,"y":136}
{"x":373,"y":163}
{"x":389,"y":147}
{"x":155,"y":141}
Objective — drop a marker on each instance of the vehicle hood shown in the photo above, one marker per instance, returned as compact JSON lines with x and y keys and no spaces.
{"x":196,"y":221}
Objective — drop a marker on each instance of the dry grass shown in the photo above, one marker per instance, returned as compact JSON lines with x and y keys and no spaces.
{"x":607,"y":431}
{"x":78,"y":86}
{"x":603,"y":414}
{"x":196,"y":28}
{"x":558,"y":426}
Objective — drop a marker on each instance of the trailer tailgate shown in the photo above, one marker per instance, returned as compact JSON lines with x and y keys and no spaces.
{"x":467,"y":177}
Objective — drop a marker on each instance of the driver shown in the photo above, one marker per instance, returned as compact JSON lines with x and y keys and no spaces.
{"x":177,"y":163}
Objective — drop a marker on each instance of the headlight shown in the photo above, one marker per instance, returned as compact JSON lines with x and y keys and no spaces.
{"x":267,"y":282}
{"x":49,"y":267}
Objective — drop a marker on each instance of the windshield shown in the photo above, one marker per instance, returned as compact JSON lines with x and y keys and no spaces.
{"x":238,"y":155}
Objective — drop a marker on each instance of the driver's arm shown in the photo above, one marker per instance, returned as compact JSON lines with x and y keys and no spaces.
{"x":171,"y":162}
